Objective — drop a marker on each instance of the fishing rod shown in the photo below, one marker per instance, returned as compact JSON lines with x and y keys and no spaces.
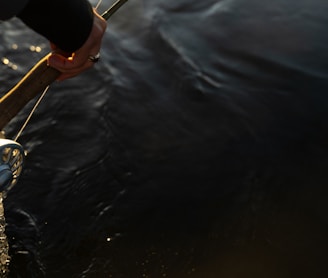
{"x":37,"y":80}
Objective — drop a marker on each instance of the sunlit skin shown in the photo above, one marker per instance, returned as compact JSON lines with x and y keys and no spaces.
{"x":73,"y":64}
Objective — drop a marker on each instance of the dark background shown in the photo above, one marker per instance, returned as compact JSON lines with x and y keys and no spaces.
{"x":197,"y":146}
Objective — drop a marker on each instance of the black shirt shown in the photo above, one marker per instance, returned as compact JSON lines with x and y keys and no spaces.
{"x":66,"y":23}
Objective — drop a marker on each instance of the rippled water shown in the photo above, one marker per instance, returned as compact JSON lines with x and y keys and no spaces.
{"x":196,"y":148}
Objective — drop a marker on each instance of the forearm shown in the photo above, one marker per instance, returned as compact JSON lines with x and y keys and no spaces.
{"x":66,"y":23}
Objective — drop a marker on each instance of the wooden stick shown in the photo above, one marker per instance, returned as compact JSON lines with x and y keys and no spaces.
{"x":34,"y":82}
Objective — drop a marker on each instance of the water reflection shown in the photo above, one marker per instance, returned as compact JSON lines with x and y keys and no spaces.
{"x":34,"y":48}
{"x":7,"y":60}
{"x":8,"y":63}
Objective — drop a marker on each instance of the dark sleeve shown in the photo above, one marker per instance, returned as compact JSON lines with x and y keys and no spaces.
{"x":10,"y":8}
{"x":66,"y":23}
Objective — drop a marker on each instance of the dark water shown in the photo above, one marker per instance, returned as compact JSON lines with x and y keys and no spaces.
{"x":198,"y":147}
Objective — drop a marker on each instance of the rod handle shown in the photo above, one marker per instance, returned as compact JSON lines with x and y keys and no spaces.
{"x":34,"y":82}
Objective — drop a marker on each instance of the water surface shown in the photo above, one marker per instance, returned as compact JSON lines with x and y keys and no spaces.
{"x":197,"y":147}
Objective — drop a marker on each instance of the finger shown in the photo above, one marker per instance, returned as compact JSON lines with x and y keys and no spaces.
{"x":68,"y":65}
{"x":73,"y":73}
{"x":63,"y":63}
{"x":68,"y":73}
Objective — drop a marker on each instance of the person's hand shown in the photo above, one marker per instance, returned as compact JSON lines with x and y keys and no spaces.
{"x":75,"y":63}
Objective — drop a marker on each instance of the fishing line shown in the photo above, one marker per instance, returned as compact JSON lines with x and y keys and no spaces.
{"x":98,"y":4}
{"x":31,"y":113}
{"x":12,"y":155}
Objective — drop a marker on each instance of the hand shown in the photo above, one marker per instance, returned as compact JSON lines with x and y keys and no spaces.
{"x":73,"y":64}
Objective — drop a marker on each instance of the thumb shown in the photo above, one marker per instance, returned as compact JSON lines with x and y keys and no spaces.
{"x":57,"y":61}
